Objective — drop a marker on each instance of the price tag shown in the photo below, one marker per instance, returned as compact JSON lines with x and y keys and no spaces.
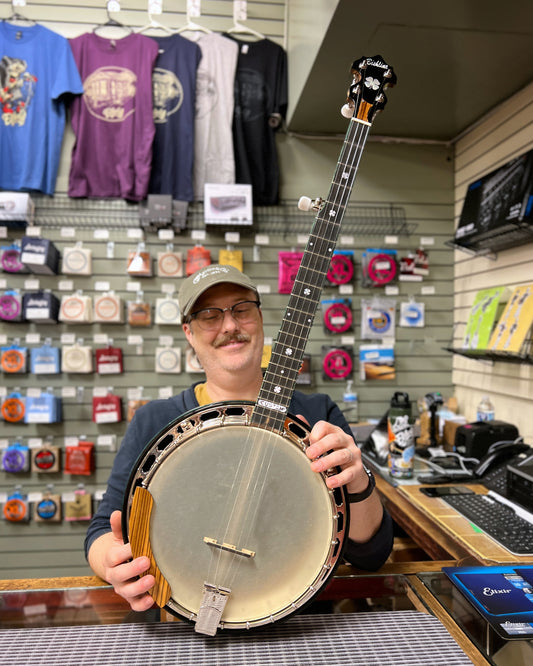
{"x":232,"y":237}
{"x":133,"y":286}
{"x":262,"y":239}
{"x":68,"y":232}
{"x":135,"y":233}
{"x":33,"y":338}
{"x":347,"y":240}
{"x":68,"y":392}
{"x":33,"y":231}
{"x":165,"y":234}
{"x":101,"y":234}
{"x":31,"y":284}
{"x":263,"y":289}
{"x":428,"y":290}
{"x":101,"y":286}
{"x":198,"y":234}
{"x":66,"y":285}
{"x":391,"y":240}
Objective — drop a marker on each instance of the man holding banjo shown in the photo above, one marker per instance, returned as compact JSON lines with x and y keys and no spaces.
{"x":223,"y":323}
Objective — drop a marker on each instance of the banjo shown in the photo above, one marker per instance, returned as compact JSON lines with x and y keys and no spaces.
{"x":239,"y":531}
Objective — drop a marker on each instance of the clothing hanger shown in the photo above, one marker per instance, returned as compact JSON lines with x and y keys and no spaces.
{"x":238,"y":28}
{"x":154,"y":25}
{"x":112,"y":23}
{"x":18,"y":18}
{"x":190,"y":26}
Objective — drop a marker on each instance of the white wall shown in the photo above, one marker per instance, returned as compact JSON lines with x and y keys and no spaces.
{"x":506,"y":133}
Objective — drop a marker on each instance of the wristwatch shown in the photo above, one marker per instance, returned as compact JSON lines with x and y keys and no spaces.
{"x":359,"y":497}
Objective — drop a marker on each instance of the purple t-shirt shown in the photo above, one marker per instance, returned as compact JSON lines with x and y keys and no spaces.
{"x":113,"y":121}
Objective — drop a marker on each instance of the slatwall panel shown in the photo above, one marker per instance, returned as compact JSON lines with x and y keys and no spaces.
{"x":507,"y":133}
{"x":417,"y":180}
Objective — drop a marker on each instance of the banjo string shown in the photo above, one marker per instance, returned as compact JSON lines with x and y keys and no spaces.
{"x":245,"y":495}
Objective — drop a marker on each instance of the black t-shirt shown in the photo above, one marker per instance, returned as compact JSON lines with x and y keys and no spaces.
{"x":260,"y":103}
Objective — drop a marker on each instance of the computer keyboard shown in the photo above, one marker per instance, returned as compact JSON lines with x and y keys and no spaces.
{"x":496,"y":480}
{"x":497,"y":520}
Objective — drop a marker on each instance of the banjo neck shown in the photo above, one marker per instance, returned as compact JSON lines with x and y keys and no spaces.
{"x":365,"y":97}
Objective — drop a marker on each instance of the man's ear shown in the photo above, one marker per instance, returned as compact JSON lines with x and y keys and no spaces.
{"x":188,"y":332}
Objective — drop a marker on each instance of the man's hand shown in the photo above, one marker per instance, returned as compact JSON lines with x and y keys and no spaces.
{"x":331,"y":447}
{"x":118,"y":569}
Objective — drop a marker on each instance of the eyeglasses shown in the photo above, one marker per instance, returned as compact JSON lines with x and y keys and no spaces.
{"x":210,"y":319}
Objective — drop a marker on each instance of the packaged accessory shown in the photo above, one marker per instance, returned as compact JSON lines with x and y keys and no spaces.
{"x":16,"y":458}
{"x":108,"y":308}
{"x":168,"y":360}
{"x":197,"y":257}
{"x":79,"y":458}
{"x":77,"y":260}
{"x":39,"y":255}
{"x":170,"y":264}
{"x":341,"y":270}
{"x":46,"y":459}
{"x":337,"y":362}
{"x":16,"y":508}
{"x":41,"y":307}
{"x":45,"y":360}
{"x":14,"y":359}
{"x":76,"y":309}
{"x":107,"y":409}
{"x":77,"y":358}
{"x":45,"y":408}
{"x":288,"y":265}
{"x":109,"y":361}
{"x":337,"y":315}
{"x":11,"y":306}
{"x":13,"y":408}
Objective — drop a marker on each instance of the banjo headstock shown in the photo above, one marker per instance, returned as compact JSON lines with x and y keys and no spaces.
{"x":371,"y":76}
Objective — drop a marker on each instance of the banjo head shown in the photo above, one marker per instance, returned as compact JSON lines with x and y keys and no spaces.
{"x":216,"y":500}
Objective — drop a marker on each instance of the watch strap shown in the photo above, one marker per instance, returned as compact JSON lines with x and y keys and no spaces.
{"x":359,"y":497}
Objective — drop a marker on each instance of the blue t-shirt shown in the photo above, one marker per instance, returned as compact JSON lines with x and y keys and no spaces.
{"x":37,"y":69}
{"x":151,"y":419}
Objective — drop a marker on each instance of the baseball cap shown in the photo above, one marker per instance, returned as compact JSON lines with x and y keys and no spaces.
{"x":196,"y":284}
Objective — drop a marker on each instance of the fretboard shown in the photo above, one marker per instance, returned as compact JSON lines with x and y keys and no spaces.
{"x":287,"y":352}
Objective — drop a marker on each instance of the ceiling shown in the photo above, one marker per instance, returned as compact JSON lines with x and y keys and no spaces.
{"x":455,"y":61}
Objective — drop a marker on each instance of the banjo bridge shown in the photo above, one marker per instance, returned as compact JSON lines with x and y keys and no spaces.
{"x":230,"y":548}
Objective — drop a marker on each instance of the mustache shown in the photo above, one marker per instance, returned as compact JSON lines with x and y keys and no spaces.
{"x":233,"y":337}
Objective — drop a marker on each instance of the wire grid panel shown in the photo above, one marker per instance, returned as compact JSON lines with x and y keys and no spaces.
{"x":384,"y":638}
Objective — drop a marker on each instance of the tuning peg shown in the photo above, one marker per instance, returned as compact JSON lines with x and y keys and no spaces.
{"x":306,"y":203}
{"x":347,"y":111}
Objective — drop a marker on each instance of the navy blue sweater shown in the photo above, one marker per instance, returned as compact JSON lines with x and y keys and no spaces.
{"x":152,"y":418}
